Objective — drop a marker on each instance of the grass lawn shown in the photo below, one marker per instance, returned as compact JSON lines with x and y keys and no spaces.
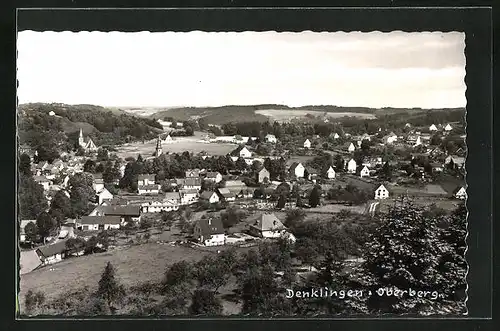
{"x":134,"y":264}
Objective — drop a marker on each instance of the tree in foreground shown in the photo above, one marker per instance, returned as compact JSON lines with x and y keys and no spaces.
{"x":110,"y":290}
{"x":178,"y":273}
{"x":408,"y":252}
{"x":205,"y":302}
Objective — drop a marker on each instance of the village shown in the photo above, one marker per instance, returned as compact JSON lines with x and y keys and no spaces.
{"x":209,"y":209}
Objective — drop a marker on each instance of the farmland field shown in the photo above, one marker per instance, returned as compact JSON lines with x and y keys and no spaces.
{"x":281,"y":115}
{"x":192,"y":144}
{"x":134,"y":264}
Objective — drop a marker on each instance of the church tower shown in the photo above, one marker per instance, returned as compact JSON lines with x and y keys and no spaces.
{"x":81,"y":141}
{"x":158,"y":147}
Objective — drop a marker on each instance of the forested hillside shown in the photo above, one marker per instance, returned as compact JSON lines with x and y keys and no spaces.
{"x":41,"y":131}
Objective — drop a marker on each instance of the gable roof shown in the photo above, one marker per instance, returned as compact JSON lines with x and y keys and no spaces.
{"x":215,"y":226}
{"x":207,"y":194}
{"x":148,"y":177}
{"x":295,"y":165}
{"x":53,"y":249}
{"x":213,"y":174}
{"x":268,"y":222}
{"x":100,"y":220}
{"x":128,"y":210}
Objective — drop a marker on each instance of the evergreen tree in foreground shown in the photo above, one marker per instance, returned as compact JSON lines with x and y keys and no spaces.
{"x":110,"y":290}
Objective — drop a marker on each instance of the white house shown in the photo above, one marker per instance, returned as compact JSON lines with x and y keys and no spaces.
{"x":145,"y":180}
{"x":170,"y":202}
{"x":351,"y":147}
{"x":209,"y":196}
{"x":149,"y":189}
{"x":307,"y":144}
{"x":297,"y":170}
{"x":351,"y":166}
{"x":189,"y":196}
{"x":245,"y":153}
{"x":448,"y":127}
{"x":104,"y":195}
{"x":460,"y":193}
{"x":390,"y":138}
{"x":53,"y":253}
{"x":267,"y":226}
{"x":51,"y":113}
{"x":271,"y":138}
{"x":128,"y":213}
{"x":365,"y":172}
{"x":210,"y":232}
{"x":189,"y":183}
{"x":336,"y":135}
{"x":381,"y":193}
{"x":225,"y":194}
{"x":262,"y":175}
{"x":98,"y":184}
{"x":432,"y":128}
{"x":95,"y":223}
{"x":215,"y":177}
{"x":330,"y":173}
{"x":168,"y":140}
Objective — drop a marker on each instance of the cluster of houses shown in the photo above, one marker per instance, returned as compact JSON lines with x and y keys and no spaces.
{"x":115,"y":212}
{"x":210,"y":232}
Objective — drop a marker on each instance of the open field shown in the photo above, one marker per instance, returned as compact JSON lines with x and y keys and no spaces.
{"x":134,"y":264}
{"x":282,"y":115}
{"x":180,"y":144}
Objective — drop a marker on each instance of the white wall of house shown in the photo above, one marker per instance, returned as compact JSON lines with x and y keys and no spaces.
{"x":52,"y":259}
{"x":272,"y":234}
{"x":215,"y":240}
{"x":381,"y":193}
{"x":299,"y":171}
{"x":330,"y":174}
{"x":351,"y":166}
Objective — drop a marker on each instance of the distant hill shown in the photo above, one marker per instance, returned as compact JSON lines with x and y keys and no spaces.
{"x":232,"y":113}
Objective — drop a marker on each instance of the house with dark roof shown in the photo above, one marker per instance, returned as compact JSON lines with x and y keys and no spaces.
{"x":209,"y":196}
{"x":128,"y":213}
{"x":225,"y":194}
{"x":210,"y":232}
{"x":149,"y":189}
{"x":189,"y":183}
{"x":95,"y":223}
{"x":52,"y":253}
{"x":214,"y":176}
{"x":266,"y":225}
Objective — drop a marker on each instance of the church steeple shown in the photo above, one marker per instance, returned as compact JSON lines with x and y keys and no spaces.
{"x":81,"y":140}
{"x":158,"y":147}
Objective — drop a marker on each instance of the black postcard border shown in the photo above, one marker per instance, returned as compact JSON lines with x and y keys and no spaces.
{"x":475,"y":22}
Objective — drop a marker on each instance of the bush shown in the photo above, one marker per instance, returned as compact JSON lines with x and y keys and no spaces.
{"x":33,"y":300}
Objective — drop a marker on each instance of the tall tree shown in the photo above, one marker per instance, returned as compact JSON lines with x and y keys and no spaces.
{"x":61,"y":202}
{"x":31,"y":198}
{"x":25,"y":165}
{"x":314,"y":197}
{"x":45,"y":224}
{"x":90,"y":166}
{"x":109,"y":288}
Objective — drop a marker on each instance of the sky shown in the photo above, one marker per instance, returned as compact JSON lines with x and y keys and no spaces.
{"x":171,"y":69}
